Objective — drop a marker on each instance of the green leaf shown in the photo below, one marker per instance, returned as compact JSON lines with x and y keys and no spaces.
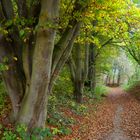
{"x":22,"y":33}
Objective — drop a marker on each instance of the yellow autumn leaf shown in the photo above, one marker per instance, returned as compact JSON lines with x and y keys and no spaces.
{"x":15,"y":58}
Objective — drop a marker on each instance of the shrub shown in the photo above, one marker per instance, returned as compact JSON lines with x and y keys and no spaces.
{"x":97,"y":93}
{"x":63,"y":85}
{"x":20,"y":133}
{"x":100,"y":90}
{"x":130,"y":84}
{"x":77,"y":108}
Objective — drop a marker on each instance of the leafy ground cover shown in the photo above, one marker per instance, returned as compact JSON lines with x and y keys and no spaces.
{"x":97,"y":119}
{"x":62,"y":120}
{"x":98,"y":123}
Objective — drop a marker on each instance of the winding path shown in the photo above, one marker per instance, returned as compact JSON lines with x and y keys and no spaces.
{"x":117,"y":117}
{"x":117,"y":133}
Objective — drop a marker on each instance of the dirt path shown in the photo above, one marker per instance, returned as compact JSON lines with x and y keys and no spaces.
{"x":118,"y":133}
{"x":117,"y":117}
{"x":126,"y":121}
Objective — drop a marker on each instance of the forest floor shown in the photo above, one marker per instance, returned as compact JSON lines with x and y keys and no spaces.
{"x":116,"y":117}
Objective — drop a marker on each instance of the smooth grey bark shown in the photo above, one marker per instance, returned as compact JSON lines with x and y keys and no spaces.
{"x":114,"y":75}
{"x":63,"y":56}
{"x":23,"y":10}
{"x":92,"y":71}
{"x":78,"y":83}
{"x":36,"y":67}
{"x":64,"y":46}
{"x":7,"y":9}
{"x":109,"y":80}
{"x":106,"y":79}
{"x":119,"y":77}
{"x":11,"y":79}
{"x":68,"y":34}
{"x":86,"y":62}
{"x":33,"y":109}
{"x":78,"y":70}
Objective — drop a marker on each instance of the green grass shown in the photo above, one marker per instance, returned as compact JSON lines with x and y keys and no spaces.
{"x":132,"y":83}
{"x":96,"y":93}
{"x":100,"y":90}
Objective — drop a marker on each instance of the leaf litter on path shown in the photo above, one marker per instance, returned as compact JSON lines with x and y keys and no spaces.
{"x":117,"y":117}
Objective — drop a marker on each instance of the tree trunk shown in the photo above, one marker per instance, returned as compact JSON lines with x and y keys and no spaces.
{"x":33,"y":109}
{"x":92,"y":72}
{"x":119,"y":77}
{"x":109,"y":80}
{"x":106,"y":79}
{"x":78,"y":71}
{"x":78,"y":91}
{"x":86,"y":63}
{"x":56,"y":68}
{"x":12,"y":78}
{"x":34,"y":63}
{"x":114,"y":75}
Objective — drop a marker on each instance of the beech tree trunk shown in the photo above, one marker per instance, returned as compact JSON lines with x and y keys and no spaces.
{"x":119,"y":77}
{"x":78,"y":70}
{"x":33,"y":108}
{"x":106,"y":79}
{"x":26,"y":86}
{"x":34,"y":62}
{"x":11,"y":77}
{"x":114,"y":76}
{"x":92,"y":72}
{"x":78,"y":91}
{"x":64,"y":52}
{"x":78,"y":75}
{"x":109,"y":80}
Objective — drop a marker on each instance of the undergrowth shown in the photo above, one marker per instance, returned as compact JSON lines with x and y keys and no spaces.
{"x":133,"y":86}
{"x":58,"y":122}
{"x":97,"y":93}
{"x":3,"y":95}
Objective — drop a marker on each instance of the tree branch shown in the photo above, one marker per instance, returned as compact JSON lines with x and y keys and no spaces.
{"x":102,"y":46}
{"x":22,"y":8}
{"x":7,"y":8}
{"x":72,"y":67}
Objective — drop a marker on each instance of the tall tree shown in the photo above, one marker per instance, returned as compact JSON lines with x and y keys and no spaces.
{"x":78,"y":64}
{"x":32,"y":55}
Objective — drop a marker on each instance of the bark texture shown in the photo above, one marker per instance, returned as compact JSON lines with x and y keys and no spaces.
{"x":34,"y":62}
{"x":91,"y":70}
{"x":33,"y":107}
{"x":79,"y":70}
